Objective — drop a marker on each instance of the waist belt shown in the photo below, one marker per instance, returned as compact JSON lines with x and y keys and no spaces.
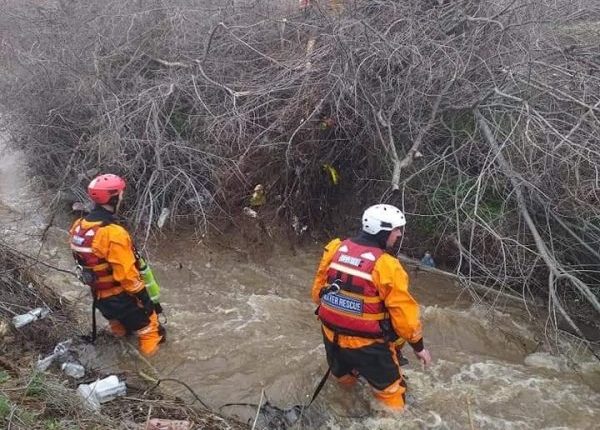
{"x":109,"y":292}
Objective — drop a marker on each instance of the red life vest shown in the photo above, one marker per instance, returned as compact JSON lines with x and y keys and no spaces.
{"x":100,"y":269}
{"x":355,"y":309}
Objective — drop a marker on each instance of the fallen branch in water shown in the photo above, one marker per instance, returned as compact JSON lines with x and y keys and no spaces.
{"x":262,"y":395}
{"x":471,"y":423}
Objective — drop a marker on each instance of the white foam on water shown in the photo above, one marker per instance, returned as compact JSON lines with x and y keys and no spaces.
{"x":251,"y":325}
{"x":496,"y":423}
{"x":544,"y":360}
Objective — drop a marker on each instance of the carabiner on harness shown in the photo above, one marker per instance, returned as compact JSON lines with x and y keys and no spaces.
{"x":332,"y":288}
{"x":85,"y":275}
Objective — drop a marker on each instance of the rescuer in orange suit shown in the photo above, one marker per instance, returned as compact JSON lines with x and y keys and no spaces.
{"x":104,"y":251}
{"x":365,"y":308}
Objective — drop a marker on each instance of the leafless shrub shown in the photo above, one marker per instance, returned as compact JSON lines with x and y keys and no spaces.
{"x":480,"y":117}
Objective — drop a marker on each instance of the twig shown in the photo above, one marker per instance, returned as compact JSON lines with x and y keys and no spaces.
{"x":262,"y":395}
{"x":157,"y":382}
{"x":410,"y":155}
{"x":555,"y":269}
{"x":148,"y":417}
{"x":37,"y":260}
{"x":471,"y":423}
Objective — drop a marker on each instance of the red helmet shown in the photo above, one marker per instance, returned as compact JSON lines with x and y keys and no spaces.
{"x":104,"y":187}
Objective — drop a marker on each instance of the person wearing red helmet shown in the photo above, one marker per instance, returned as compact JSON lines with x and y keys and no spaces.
{"x":105,"y":252}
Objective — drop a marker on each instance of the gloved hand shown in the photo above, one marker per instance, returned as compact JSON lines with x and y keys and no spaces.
{"x":424,"y":356}
{"x":144,"y":298}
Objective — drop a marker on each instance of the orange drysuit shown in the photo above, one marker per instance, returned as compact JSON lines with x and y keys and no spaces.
{"x":104,"y":248}
{"x":391,"y":282}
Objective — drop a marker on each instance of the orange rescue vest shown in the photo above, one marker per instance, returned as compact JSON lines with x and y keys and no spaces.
{"x":350,"y":303}
{"x":97,"y":271}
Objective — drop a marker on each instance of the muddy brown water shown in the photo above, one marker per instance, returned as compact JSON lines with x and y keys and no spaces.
{"x":240,"y":322}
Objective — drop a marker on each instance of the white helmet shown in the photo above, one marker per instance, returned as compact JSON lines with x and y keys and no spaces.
{"x":382,"y":217}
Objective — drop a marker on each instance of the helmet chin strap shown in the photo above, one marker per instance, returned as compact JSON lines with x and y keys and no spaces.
{"x":382,"y":238}
{"x":109,"y":208}
{"x":115,"y":208}
{"x":396,"y":246}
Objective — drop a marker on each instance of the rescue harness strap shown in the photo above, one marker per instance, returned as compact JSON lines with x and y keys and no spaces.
{"x":94,"y":328}
{"x":319,"y":387}
{"x":91,"y":338}
{"x":356,"y":333}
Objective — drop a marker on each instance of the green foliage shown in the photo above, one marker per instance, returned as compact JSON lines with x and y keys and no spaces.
{"x":24,"y":416}
{"x":491,"y":208}
{"x":4,"y":376}
{"x":27,"y":417}
{"x":52,"y":424}
{"x":36,"y":386}
{"x":463,"y":126}
{"x":426,"y":225}
{"x":455,"y":192}
{"x":5,"y":408}
{"x":487,"y":204}
{"x":179,"y":121}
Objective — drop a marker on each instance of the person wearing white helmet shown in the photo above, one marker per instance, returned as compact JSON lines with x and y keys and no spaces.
{"x":365,"y":308}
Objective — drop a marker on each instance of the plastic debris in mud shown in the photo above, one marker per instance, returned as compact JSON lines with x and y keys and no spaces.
{"x":161,"y":424}
{"x":33,"y":315}
{"x":164,"y":214}
{"x":334,"y":175}
{"x":250,"y":212}
{"x":326,"y":124}
{"x":427,"y":260}
{"x":258,"y":197}
{"x":278,"y":418}
{"x":101,"y":391}
{"x":4,"y":329}
{"x":74,"y":370}
{"x":298,"y":227}
{"x":60,"y":350}
{"x":273,"y":417}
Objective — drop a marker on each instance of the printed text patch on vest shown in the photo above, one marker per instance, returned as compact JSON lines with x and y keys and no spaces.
{"x":352,"y":261}
{"x":343,"y":303}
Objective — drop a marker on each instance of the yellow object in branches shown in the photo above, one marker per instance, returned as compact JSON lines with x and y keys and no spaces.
{"x":333,"y":173}
{"x":326,"y":124}
{"x":259,"y":197}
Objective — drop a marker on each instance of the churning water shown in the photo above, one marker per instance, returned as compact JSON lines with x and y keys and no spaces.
{"x":240,"y":323}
